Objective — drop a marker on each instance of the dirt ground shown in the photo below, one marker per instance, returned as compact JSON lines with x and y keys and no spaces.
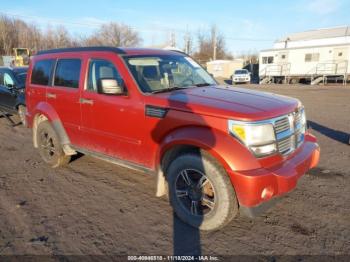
{"x":94,"y":207}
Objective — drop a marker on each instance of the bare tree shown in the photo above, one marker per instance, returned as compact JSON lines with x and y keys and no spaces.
{"x":206,"y":45}
{"x":8,"y":36}
{"x":17,"y":33}
{"x":57,"y":37}
{"x":114,"y":34}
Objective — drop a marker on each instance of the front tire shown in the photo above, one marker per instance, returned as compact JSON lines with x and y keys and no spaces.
{"x":50,"y":148}
{"x":200,"y":192}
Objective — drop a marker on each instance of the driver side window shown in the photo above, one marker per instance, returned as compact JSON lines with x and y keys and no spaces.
{"x":101,"y":69}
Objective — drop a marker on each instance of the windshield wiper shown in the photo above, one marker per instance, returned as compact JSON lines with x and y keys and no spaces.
{"x":202,"y":84}
{"x":169,"y":89}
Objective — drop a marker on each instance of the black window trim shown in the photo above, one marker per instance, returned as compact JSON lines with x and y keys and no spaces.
{"x":53,"y":74}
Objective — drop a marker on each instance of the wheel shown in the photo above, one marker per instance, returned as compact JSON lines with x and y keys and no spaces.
{"x":50,"y":148}
{"x":201,"y":192}
{"x":22,"y":114}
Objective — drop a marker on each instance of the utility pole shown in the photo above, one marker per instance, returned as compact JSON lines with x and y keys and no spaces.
{"x":187,"y":42}
{"x":214,"y":42}
{"x":173,"y":39}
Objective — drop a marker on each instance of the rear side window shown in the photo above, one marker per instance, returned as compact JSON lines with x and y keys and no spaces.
{"x":41,"y":72}
{"x":67,"y":73}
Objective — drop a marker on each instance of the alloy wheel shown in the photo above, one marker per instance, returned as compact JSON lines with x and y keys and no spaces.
{"x":195,"y":192}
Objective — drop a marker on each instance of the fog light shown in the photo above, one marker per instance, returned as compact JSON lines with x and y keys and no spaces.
{"x":263,"y":150}
{"x":267,"y":193}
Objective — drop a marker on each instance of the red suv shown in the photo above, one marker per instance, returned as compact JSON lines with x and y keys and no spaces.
{"x":216,"y":150}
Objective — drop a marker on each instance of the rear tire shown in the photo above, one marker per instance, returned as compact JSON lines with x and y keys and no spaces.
{"x":50,"y":148}
{"x":215,"y":202}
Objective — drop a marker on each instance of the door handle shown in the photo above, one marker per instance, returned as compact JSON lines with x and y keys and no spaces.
{"x":51,"y":95}
{"x":86,"y":101}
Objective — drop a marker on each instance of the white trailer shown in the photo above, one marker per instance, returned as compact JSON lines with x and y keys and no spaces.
{"x":224,"y":68}
{"x":314,"y":56}
{"x":6,"y":60}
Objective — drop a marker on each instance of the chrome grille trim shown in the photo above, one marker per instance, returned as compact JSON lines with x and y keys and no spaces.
{"x":289,"y":133}
{"x":285,"y":146}
{"x":288,"y":128}
{"x":282,"y":125}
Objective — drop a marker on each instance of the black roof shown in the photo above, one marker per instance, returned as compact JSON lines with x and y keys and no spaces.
{"x":82,"y":49}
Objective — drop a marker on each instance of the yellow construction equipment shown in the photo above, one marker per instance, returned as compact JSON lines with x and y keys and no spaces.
{"x":21,"y":56}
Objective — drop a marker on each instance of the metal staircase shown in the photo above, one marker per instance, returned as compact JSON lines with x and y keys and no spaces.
{"x":329,"y":70}
{"x":317,"y":80}
{"x":270,"y":72}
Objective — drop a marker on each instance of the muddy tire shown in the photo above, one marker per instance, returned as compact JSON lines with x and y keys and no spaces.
{"x":201,"y":192}
{"x":49,"y":146}
{"x":22,"y":114}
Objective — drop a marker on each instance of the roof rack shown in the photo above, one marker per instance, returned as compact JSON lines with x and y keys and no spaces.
{"x":82,"y":49}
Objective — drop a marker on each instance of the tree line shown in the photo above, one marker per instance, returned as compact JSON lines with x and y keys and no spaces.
{"x":18,"y":33}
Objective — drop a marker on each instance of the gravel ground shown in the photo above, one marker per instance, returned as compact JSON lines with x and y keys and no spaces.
{"x":93,"y":207}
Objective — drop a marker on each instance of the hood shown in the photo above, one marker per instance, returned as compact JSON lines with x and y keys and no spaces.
{"x":230,"y":102}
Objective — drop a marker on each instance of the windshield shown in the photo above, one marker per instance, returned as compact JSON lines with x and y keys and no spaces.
{"x":241,"y":72}
{"x":155,"y":73}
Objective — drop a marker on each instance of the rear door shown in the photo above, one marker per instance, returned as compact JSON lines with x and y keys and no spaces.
{"x":63,"y":95}
{"x":38,"y":80}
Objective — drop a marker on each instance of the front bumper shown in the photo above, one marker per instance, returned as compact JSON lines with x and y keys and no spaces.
{"x":240,"y":80}
{"x":255,"y":188}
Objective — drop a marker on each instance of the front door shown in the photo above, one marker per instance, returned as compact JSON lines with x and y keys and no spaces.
{"x":111,"y":124}
{"x":7,"y":91}
{"x":282,"y":57}
{"x":340,"y":56}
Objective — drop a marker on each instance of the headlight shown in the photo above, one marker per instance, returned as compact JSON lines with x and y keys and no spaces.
{"x":258,"y":137}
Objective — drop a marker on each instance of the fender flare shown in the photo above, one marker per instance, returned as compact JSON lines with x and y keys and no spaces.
{"x":230,"y":153}
{"x":44,"y":111}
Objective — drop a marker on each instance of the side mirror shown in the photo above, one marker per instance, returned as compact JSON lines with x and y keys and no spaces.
{"x":10,"y":86}
{"x":110,"y":87}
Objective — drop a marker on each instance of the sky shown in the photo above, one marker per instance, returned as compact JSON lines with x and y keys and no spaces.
{"x":248,"y":26}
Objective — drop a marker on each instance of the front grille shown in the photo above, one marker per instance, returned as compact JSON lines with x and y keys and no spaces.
{"x":282,"y":125}
{"x":289,"y":132}
{"x":285,"y":145}
{"x":297,"y":118}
